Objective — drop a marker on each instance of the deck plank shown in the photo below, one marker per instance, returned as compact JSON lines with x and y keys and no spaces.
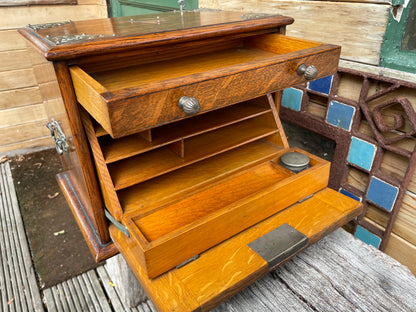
{"x":18,"y":283}
{"x":339,"y":273}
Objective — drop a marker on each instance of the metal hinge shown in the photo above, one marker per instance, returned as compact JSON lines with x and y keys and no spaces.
{"x":187,"y":261}
{"x":117,"y":224}
{"x":305,"y":198}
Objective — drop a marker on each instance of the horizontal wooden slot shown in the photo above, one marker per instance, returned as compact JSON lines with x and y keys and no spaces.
{"x":114,"y":150}
{"x":166,"y":188}
{"x":99,"y":130}
{"x":145,"y":166}
{"x":213,"y":120}
{"x":199,"y":206}
{"x":226,"y":138}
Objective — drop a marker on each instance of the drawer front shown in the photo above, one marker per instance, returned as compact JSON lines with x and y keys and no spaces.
{"x":134,"y":114}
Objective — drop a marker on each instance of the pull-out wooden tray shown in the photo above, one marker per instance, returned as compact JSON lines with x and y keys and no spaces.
{"x":219,"y":74}
{"x":173,"y":233}
{"x":227,"y":268}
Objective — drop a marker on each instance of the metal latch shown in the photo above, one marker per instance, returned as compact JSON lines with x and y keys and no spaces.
{"x":117,"y":224}
{"x":58,"y":137}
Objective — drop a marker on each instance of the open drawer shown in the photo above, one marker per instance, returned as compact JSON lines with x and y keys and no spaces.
{"x":173,"y":233}
{"x":144,"y":93}
{"x":229,"y":267}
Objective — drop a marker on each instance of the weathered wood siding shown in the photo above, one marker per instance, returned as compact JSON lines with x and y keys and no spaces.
{"x":27,"y":82}
{"x":358,"y":27}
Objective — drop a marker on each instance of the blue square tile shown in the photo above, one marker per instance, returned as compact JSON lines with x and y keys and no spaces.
{"x":367,"y":237}
{"x":382,"y":193}
{"x":361,"y":153}
{"x":292,"y":98}
{"x":322,"y":85}
{"x":340,"y":115}
{"x":349,"y":194}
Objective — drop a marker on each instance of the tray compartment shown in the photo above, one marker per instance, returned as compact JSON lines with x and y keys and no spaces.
{"x":174,"y":233}
{"x":146,"y":196}
{"x":118,"y":99}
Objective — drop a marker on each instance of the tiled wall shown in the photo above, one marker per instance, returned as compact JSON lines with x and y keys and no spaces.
{"x":372,"y":120}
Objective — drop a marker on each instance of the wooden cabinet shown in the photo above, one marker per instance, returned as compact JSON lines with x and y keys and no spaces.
{"x":175,"y":123}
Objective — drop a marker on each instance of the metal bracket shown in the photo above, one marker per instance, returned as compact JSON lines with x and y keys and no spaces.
{"x":58,"y":137}
{"x":279,"y":244}
{"x":117,"y":224}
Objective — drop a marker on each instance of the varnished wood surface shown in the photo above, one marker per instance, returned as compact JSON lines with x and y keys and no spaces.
{"x":195,"y":208}
{"x":78,"y":203}
{"x":162,"y":254}
{"x":231,"y":266}
{"x":94,"y":211}
{"x":119,"y":102}
{"x":138,"y":76}
{"x":112,"y":204}
{"x":126,"y":33}
{"x":145,"y":197}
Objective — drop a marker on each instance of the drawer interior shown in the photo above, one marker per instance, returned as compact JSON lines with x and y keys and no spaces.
{"x":186,"y":60}
{"x":166,"y":220}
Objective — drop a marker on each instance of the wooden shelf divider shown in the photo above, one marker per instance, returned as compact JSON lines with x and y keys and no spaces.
{"x":156,"y":162}
{"x":153,"y":193}
{"x":115,"y":150}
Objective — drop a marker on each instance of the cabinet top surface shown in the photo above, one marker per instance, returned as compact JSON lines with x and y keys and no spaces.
{"x":69,"y":39}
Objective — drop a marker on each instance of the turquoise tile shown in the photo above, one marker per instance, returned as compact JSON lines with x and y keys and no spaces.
{"x":367,"y":237}
{"x":361,"y":153}
{"x":382,"y":193}
{"x":322,"y":85}
{"x":292,"y":98}
{"x":340,"y":115}
{"x":349,"y":194}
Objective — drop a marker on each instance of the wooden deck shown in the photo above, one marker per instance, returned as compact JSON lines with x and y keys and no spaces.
{"x":339,"y":273}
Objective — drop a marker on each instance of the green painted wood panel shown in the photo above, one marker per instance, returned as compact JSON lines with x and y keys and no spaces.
{"x":395,"y":52}
{"x":135,"y":7}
